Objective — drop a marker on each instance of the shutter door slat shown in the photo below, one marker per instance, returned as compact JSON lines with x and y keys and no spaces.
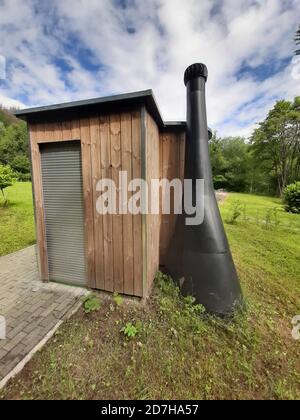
{"x":64,"y":211}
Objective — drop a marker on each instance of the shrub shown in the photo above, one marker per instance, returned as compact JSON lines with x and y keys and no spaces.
{"x":236,"y":211}
{"x":21,"y":177}
{"x":291,"y":197}
{"x":20,"y":164}
{"x":6,"y":180}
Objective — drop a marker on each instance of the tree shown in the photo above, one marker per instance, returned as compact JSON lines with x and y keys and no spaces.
{"x":14,"y":144}
{"x":6,"y":116}
{"x":218,"y":163}
{"x":6,"y":180}
{"x":297,"y":40}
{"x":14,"y":147}
{"x":236,"y":154}
{"x":276,"y":143}
{"x":230,"y":161}
{"x":260,"y":180}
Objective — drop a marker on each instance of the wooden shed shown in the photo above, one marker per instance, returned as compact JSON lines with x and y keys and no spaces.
{"x":73,"y":146}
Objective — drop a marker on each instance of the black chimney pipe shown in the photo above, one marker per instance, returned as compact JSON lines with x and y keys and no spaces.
{"x":199,"y":257}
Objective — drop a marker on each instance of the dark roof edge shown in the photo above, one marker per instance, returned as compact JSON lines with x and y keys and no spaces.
{"x":145,"y":97}
{"x":86,"y":102}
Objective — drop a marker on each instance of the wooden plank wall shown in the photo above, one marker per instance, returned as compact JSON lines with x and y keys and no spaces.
{"x":171,"y":158}
{"x":116,"y":142}
{"x":153,"y":220}
{"x":109,"y":143}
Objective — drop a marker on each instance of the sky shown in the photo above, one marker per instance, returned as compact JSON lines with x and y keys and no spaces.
{"x":63,"y":50}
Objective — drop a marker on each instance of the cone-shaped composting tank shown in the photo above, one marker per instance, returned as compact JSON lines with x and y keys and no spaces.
{"x":199,"y":258}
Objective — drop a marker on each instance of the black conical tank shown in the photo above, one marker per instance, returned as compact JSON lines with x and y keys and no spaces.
{"x":199,"y":258}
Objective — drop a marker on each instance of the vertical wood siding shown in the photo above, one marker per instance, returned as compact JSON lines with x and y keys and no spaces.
{"x":128,"y":229}
{"x":137,"y":219}
{"x":172,"y":154}
{"x":111,"y":143}
{"x":87,"y":170}
{"x":98,"y":218}
{"x":153,"y":220}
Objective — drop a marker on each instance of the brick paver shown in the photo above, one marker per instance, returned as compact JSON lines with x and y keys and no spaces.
{"x":31,"y":308}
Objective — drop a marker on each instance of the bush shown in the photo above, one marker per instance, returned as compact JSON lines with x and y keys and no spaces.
{"x":20,"y":164}
{"x":21,"y":177}
{"x":7,"y":177}
{"x":291,"y":196}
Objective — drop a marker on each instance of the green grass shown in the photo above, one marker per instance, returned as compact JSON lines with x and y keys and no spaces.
{"x":17,"y":220}
{"x":272,"y":250}
{"x":178,"y":352}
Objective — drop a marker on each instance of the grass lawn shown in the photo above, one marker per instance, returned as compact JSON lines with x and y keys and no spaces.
{"x":178,"y":352}
{"x":17,"y":220}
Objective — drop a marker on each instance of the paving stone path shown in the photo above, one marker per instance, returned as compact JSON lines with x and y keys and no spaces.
{"x":31,"y":308}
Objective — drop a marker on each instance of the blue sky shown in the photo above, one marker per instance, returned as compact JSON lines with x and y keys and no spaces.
{"x":76,"y":49}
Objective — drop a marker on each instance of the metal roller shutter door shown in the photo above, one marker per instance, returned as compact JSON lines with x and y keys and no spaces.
{"x":64,"y":211}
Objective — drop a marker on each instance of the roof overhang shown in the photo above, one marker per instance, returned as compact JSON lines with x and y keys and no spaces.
{"x":108,"y":103}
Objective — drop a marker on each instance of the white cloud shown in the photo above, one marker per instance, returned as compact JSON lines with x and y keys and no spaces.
{"x":10,"y":103}
{"x":148,"y":45}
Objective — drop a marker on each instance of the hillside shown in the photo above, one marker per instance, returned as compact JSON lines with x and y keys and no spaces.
{"x":6,"y":116}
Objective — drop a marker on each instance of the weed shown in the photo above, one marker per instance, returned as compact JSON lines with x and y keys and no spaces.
{"x":91,"y":303}
{"x":192,"y":307}
{"x":236,"y":211}
{"x":271,"y":218}
{"x":117,"y":299}
{"x":268,"y":219}
{"x":245,"y":216}
{"x":129,"y":330}
{"x":189,"y":300}
{"x":166,"y":285}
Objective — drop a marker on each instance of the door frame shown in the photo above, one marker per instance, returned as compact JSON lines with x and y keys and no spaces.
{"x":54,"y":132}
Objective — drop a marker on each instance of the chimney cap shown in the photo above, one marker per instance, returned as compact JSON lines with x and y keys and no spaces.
{"x":194,"y":71}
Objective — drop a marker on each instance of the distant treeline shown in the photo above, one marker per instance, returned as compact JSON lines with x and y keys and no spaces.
{"x":14,"y":144}
{"x":268,"y":161}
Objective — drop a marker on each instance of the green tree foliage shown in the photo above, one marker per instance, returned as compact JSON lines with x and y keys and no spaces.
{"x":291,"y":197}
{"x":260,"y":181}
{"x":14,"y":144}
{"x":276,"y":143}
{"x":230,"y":160}
{"x":268,"y":162}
